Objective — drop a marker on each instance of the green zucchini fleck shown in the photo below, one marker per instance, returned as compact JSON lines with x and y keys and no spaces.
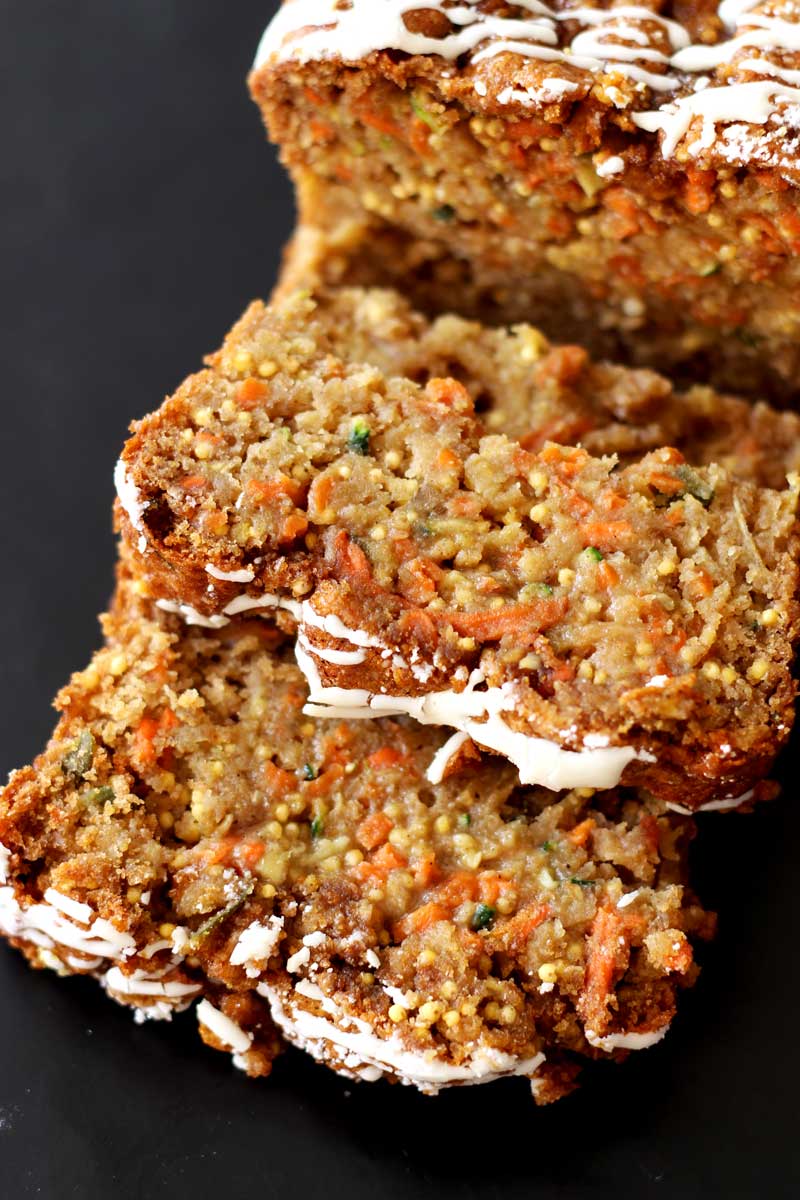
{"x":358,"y":441}
{"x":98,"y":796}
{"x":310,"y":772}
{"x":202,"y":932}
{"x":465,"y":820}
{"x":483,"y":917}
{"x":593,"y":553}
{"x":445,"y":212}
{"x":78,"y":759}
{"x":695,"y":485}
{"x":712,"y":268}
{"x":420,"y":111}
{"x":317,"y":827}
{"x":582,"y":882}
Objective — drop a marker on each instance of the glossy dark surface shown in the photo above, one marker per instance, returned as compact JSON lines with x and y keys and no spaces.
{"x":140,"y":212}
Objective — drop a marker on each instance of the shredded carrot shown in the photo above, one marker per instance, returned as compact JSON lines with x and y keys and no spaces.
{"x":293,"y":527}
{"x":448,"y":460}
{"x":426,"y":871}
{"x":266,"y":491}
{"x":319,"y":496}
{"x":374,"y":830}
{"x":419,"y":920}
{"x":699,"y":190}
{"x":580,"y":835}
{"x":520,"y":620}
{"x":324,"y":782}
{"x":607,"y":534}
{"x":251,"y":393}
{"x":194,"y":483}
{"x":448,"y":392}
{"x":388,"y":859}
{"x":277,"y":781}
{"x":387,"y":756}
{"x":607,"y":575}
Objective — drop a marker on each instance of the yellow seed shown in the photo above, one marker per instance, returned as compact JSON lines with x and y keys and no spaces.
{"x":452,"y":1017}
{"x":118,"y":664}
{"x":711,"y":670}
{"x":600,"y":676}
{"x":758,"y":670}
{"x":492,"y":1011}
{"x":506,"y":904}
{"x":448,"y":989}
{"x":397,"y":1014}
{"x":166,"y":930}
{"x":134,"y":895}
{"x":538,"y":481}
{"x":367,"y":978}
{"x":430,"y":1011}
{"x":770,"y":617}
{"x":345,"y":471}
{"x":267,"y":368}
{"x":585,"y":670}
{"x":566,"y":577}
{"x":592,"y":606}
{"x":268,"y":890}
{"x":166,"y":820}
{"x":714,"y":220}
{"x":393,"y":460}
{"x":667,"y":566}
{"x":644,"y":647}
{"x":508,"y":1014}
{"x":728,"y":675}
{"x":353,"y":858}
{"x":243,"y":360}
{"x":443,"y":824}
{"x":282,"y":813}
{"x":540,"y":513}
{"x":427,"y":958}
{"x":378,"y":533}
{"x":548,"y":972}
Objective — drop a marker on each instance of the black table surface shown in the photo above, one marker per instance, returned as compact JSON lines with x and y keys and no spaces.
{"x":141,"y":210}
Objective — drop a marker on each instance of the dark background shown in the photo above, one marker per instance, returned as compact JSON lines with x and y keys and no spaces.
{"x":139,"y":211}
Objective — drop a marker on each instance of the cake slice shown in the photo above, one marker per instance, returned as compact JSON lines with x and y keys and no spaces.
{"x":190,"y":838}
{"x":568,"y":563}
{"x":622,"y":176}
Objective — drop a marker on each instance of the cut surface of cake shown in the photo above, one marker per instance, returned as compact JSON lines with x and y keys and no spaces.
{"x":190,"y":838}
{"x":565,"y":562}
{"x":622,"y":176}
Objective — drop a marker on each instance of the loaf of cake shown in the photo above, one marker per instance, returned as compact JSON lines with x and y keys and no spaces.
{"x":566,"y":563}
{"x":625,"y":177}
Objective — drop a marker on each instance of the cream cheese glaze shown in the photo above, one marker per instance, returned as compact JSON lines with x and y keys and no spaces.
{"x":364,"y":1055}
{"x":479,"y":715}
{"x":614,"y":41}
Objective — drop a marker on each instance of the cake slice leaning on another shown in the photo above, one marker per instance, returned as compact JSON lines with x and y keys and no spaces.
{"x":189,"y":837}
{"x":567,"y":563}
{"x":623,"y":177}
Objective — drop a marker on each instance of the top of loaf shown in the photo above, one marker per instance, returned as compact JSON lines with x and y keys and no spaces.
{"x":716,"y":85}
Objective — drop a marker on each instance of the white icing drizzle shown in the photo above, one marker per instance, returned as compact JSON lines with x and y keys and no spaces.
{"x":626,"y":1041}
{"x":723,"y":805}
{"x":612,"y":165}
{"x":128,"y":495}
{"x":367,"y":1056}
{"x":628,"y":898}
{"x":223,"y":1028}
{"x":478,"y":714}
{"x":613,"y":41}
{"x":444,"y":756}
{"x":143,"y":983}
{"x":47,"y":926}
{"x":245,"y":575}
{"x":753,"y":103}
{"x":305,"y":30}
{"x":190,"y":615}
{"x":5,"y":862}
{"x":256,"y":945}
{"x":339,"y":658}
